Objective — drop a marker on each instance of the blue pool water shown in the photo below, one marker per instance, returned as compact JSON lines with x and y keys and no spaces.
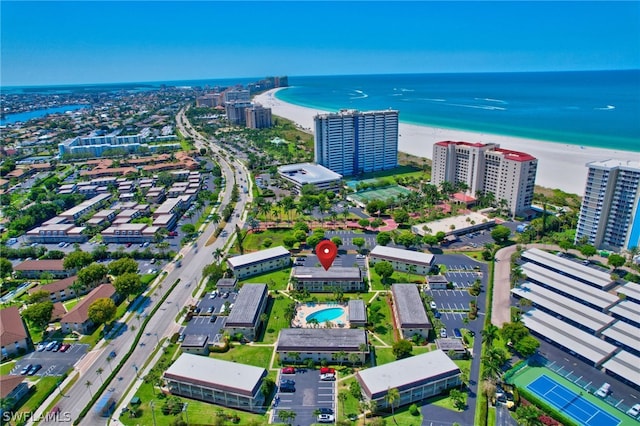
{"x":323,"y":315}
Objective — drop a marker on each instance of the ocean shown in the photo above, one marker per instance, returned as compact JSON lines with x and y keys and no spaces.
{"x":585,"y":108}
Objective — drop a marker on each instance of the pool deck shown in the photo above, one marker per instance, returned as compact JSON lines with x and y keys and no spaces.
{"x":306,"y":309}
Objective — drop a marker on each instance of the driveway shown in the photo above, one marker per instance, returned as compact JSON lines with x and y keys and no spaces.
{"x":311,"y":393}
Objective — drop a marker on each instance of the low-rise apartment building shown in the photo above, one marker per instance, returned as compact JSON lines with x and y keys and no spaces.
{"x":316,"y":279}
{"x":414,"y":262}
{"x":322,"y":344}
{"x":250,"y":303}
{"x":77,"y":319}
{"x":409,"y":312}
{"x":35,"y":268}
{"x":259,"y":262}
{"x":14,"y":336}
{"x":224,"y":383}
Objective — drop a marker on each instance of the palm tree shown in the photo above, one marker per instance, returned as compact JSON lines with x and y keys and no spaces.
{"x":340,"y":355}
{"x":88,"y":385}
{"x":99,"y":371}
{"x":489,"y":334}
{"x":391,"y":397}
{"x":342,"y":397}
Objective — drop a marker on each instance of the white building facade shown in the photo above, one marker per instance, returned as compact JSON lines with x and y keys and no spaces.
{"x":509,"y":175}
{"x":351,"y":142}
{"x":610,"y":213}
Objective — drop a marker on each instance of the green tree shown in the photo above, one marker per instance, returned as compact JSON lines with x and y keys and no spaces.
{"x":342,"y":397}
{"x":77,"y":260}
{"x":6,"y":268}
{"x":358,"y":242}
{"x":489,"y":334}
{"x":267,"y":386}
{"x":457,"y":397}
{"x":355,"y":390}
{"x":313,"y":240}
{"x":528,"y":415}
{"x":406,"y":238}
{"x":501,"y":234}
{"x":122,"y":266}
{"x":363,"y":223}
{"x":527,"y":346}
{"x":188,"y":228}
{"x":37,"y":296}
{"x":401,"y":216}
{"x":38,"y":314}
{"x":102,"y":311}
{"x":615,"y":260}
{"x":392,"y":396}
{"x":383,"y":238}
{"x":588,"y":250}
{"x":430,"y":240}
{"x":565,"y":245}
{"x":289,"y":241}
{"x":384,"y":269}
{"x":92,"y":274}
{"x":128,"y":284}
{"x":402,"y":349}
{"x":337,"y":241}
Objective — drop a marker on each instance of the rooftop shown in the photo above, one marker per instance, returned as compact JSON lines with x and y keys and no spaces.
{"x":40,"y":265}
{"x":11,"y":326}
{"x":214,"y":373}
{"x":258,"y":256}
{"x":407,"y":373}
{"x":320,"y":339}
{"x":402,"y":255}
{"x":357,"y":311}
{"x":408,"y":305}
{"x":341,"y":273}
{"x":624,"y":364}
{"x":308,"y":173}
{"x":247,"y":305}
{"x":80,"y":312}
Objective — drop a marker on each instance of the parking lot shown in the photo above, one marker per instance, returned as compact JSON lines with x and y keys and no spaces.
{"x":453,"y":305}
{"x":53,"y":363}
{"x":215,"y":304}
{"x":202,"y":326}
{"x":310,"y":394}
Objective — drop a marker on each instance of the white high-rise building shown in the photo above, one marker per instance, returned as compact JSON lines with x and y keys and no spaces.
{"x":610,"y":213}
{"x":351,"y":142}
{"x":508,"y":175}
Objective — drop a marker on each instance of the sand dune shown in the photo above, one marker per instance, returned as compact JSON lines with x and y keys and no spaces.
{"x":560,"y":165}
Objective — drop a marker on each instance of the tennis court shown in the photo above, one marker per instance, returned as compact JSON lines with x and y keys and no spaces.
{"x":570,"y":403}
{"x":385,"y":193}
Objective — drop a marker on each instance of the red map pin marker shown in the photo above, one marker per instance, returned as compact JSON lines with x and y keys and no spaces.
{"x":326,"y":252}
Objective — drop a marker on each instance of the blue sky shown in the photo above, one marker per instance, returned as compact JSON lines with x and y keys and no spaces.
{"x":119,"y":41}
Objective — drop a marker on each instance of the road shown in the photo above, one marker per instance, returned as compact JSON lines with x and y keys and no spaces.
{"x":195,"y":258}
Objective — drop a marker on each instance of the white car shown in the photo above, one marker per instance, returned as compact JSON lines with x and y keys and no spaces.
{"x":327,"y":377}
{"x":433,"y":305}
{"x":604,"y":390}
{"x":634,"y":411}
{"x":443,"y":333}
{"x":326,"y":418}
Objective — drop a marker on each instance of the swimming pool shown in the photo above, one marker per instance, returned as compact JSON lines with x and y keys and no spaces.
{"x":323,"y":315}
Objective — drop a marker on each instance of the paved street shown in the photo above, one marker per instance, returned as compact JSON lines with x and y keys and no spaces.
{"x":161,"y":325}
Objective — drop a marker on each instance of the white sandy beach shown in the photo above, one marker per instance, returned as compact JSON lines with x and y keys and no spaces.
{"x":560,"y":165}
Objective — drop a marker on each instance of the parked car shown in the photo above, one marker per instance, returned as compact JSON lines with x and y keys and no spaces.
{"x":65,"y":347}
{"x":327,"y":370}
{"x":34,"y":369}
{"x":457,"y":334}
{"x":634,"y":411}
{"x":604,"y":390}
{"x":210,"y":309}
{"x":437,"y":314}
{"x":288,"y":370}
{"x":41,"y":346}
{"x":326,"y":418}
{"x":443,"y":333}
{"x":25,"y":369}
{"x":328,"y":377}
{"x":287,"y":382}
{"x":287,"y":388}
{"x":324,"y":410}
{"x":433,"y":305}
{"x":212,"y":295}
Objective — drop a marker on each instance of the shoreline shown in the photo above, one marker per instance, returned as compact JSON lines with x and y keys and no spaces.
{"x":560,"y":165}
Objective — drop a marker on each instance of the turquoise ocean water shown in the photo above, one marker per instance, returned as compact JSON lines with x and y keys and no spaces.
{"x":587,"y":108}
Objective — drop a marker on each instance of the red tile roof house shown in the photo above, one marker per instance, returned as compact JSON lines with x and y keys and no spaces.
{"x":77,"y":319}
{"x":61,"y":290}
{"x":12,"y":388}
{"x":14,"y":336}
{"x":35,"y":268}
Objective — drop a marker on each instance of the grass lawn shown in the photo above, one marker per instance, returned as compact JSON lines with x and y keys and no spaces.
{"x":350,"y":406}
{"x":43,"y":388}
{"x":382,"y":320}
{"x":277,"y":321}
{"x":275,"y":280}
{"x":404,"y":417}
{"x":69,"y":304}
{"x":6,"y":367}
{"x":260,"y":356}
{"x":255,"y":240}
{"x":146,"y":279}
{"x":397,"y":277}
{"x":385,"y":355}
{"x":491,"y":416}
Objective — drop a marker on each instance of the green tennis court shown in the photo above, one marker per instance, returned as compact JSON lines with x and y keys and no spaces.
{"x":385,"y":193}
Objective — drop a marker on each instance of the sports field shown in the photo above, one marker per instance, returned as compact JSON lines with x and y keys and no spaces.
{"x":385,"y":193}
{"x":569,"y":399}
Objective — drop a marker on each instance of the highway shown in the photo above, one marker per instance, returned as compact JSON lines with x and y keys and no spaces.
{"x":195,"y":258}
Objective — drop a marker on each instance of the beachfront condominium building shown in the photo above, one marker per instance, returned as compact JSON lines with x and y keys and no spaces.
{"x":258,"y":117}
{"x":487,"y":168}
{"x":610,"y":213}
{"x":351,"y":142}
{"x":235,"y":111}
